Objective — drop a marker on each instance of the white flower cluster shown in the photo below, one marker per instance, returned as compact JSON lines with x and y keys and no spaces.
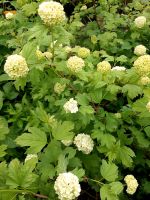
{"x":16,"y":66}
{"x":75,"y":64}
{"x":59,"y":88}
{"x":83,"y":52}
{"x":42,"y":55}
{"x":84,"y":143}
{"x":142,"y":65}
{"x":67,"y":49}
{"x":66,"y":142}
{"x":67,"y":186}
{"x":118,"y":68}
{"x":145,"y":80}
{"x":140,"y":50}
{"x":140,"y":21}
{"x":118,"y":115}
{"x":148,"y":106}
{"x":9,"y":15}
{"x":132,"y":184}
{"x":30,"y":156}
{"x":103,"y":66}
{"x":71,"y":106}
{"x":51,"y":13}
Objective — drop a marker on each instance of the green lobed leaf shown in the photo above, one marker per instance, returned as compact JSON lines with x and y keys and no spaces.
{"x":109,"y":171}
{"x":36,"y":140}
{"x":63,"y":130}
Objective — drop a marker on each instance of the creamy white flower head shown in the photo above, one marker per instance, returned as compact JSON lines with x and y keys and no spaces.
{"x":75,"y":64}
{"x":118,"y":68}
{"x":16,"y":66}
{"x":67,"y":186}
{"x":148,"y":106}
{"x":140,"y":50}
{"x":68,"y":49}
{"x":142,"y":65}
{"x":83,"y":52}
{"x":67,"y":142}
{"x":39,"y":53}
{"x":118,"y":115}
{"x":51,"y":13}
{"x":145,"y":80}
{"x":140,"y":21}
{"x":132,"y":184}
{"x":71,"y":106}
{"x":103,"y":66}
{"x":84,"y":143}
{"x":9,"y":15}
{"x":84,"y":7}
{"x":48,"y":55}
{"x":59,"y":88}
{"x":30,"y":156}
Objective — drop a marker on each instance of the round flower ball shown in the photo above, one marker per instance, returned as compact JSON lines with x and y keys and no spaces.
{"x":142,"y":65}
{"x":145,"y":80}
{"x":59,"y":88}
{"x":75,"y":64}
{"x":84,"y":143}
{"x":118,"y":68}
{"x":51,"y":12}
{"x":140,"y":50}
{"x":71,"y":106}
{"x":148,"y":106}
{"x":132,"y":184}
{"x":9,"y":15}
{"x":83,"y":52}
{"x":140,"y":21}
{"x":67,"y":186}
{"x":103,"y":66}
{"x":16,"y":66}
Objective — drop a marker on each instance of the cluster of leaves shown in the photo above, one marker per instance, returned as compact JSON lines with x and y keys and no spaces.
{"x":27,"y":105}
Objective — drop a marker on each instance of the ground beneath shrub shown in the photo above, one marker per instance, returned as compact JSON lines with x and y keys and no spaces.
{"x":87,"y":193}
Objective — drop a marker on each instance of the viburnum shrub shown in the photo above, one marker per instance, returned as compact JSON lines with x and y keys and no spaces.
{"x":75,"y":100}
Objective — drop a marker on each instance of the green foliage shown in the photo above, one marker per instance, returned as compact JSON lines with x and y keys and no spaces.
{"x":36,"y":140}
{"x":112,"y":106}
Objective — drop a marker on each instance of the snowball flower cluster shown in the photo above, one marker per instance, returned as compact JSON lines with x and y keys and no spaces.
{"x":118,"y":115}
{"x":118,"y":68}
{"x":9,"y":15}
{"x":142,"y":65}
{"x":145,"y":80}
{"x":148,"y":106}
{"x":103,"y":66}
{"x":51,"y":13}
{"x":71,"y":106}
{"x":83,"y":52}
{"x":68,"y":49}
{"x":132,"y":184}
{"x":84,"y":143}
{"x":66,"y":142}
{"x":140,"y":21}
{"x":59,"y":88}
{"x":140,"y":50}
{"x":16,"y":66}
{"x":41,"y":55}
{"x":75,"y":64}
{"x":67,"y":186}
{"x":30,"y":156}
